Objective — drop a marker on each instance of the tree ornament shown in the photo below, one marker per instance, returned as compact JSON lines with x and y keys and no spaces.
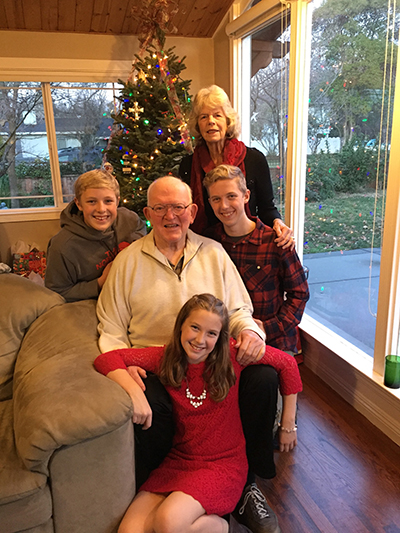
{"x":135,"y":110}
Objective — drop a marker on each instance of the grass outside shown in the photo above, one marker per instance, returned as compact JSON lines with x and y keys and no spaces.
{"x":344,"y":222}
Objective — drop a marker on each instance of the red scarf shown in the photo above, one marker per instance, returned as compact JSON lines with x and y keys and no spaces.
{"x":233,"y":154}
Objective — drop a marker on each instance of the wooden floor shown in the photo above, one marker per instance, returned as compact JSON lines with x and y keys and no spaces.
{"x":344,"y":475}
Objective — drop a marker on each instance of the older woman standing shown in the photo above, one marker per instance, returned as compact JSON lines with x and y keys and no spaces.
{"x":215,"y":125}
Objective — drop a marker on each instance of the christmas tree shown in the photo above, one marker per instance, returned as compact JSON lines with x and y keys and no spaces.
{"x":149,"y":135}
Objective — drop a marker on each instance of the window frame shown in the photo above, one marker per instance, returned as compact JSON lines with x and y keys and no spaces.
{"x":42,"y":213}
{"x":46,"y":213}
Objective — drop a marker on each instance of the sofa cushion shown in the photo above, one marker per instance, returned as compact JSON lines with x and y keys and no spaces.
{"x":93,"y":483}
{"x":25,"y":499}
{"x":21,"y":302}
{"x":59,"y":398}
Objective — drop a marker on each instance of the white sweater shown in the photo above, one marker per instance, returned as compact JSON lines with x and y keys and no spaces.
{"x":142,"y":295}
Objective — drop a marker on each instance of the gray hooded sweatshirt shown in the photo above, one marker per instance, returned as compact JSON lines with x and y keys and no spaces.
{"x":78,"y":254}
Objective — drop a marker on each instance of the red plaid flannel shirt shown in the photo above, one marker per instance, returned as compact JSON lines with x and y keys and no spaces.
{"x":274,"y":278}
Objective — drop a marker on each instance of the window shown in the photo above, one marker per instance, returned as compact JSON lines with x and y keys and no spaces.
{"x":269,"y":99}
{"x":312,"y":157}
{"x":350,"y":116}
{"x":23,"y":146}
{"x":74,"y":118}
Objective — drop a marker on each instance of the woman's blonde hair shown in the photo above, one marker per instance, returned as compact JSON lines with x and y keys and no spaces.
{"x":96,"y":179}
{"x":218,"y":372}
{"x":213,"y":96}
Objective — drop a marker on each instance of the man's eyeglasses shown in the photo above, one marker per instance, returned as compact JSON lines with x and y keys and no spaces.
{"x":160,"y":210}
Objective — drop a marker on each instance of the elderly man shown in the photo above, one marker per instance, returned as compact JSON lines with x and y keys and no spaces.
{"x":148,"y":284}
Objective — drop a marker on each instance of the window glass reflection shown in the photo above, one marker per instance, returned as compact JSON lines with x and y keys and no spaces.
{"x":82,"y":115}
{"x":270,"y":48}
{"x":25,"y":178}
{"x":351,"y":97}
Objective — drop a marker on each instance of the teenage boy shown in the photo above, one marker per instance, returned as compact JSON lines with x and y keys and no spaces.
{"x":93,"y":230}
{"x":273,"y":276}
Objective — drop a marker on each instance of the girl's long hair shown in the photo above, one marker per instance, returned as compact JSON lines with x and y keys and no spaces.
{"x":218,"y":372}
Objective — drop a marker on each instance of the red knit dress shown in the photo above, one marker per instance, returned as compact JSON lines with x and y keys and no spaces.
{"x":208,"y":457}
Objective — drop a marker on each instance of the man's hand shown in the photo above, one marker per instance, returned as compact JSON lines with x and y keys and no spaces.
{"x":260,"y":324}
{"x":102,"y":279}
{"x":250,"y":346}
{"x":284,"y":235}
{"x":137,"y":374}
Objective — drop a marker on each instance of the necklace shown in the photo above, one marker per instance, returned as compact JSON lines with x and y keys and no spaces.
{"x":196,"y":401}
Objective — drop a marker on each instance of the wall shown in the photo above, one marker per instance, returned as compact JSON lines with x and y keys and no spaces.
{"x":37,"y":56}
{"x":222,"y":55}
{"x":38,"y":232}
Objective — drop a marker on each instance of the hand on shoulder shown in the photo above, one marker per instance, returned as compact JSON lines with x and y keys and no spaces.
{"x":284,"y":235}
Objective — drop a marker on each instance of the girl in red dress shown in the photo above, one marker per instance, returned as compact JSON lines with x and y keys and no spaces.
{"x":203,"y":476}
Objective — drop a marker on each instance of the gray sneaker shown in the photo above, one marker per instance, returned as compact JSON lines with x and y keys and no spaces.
{"x":254,"y":512}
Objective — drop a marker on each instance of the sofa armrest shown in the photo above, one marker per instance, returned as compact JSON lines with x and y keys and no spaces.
{"x":21,"y":303}
{"x":59,"y":398}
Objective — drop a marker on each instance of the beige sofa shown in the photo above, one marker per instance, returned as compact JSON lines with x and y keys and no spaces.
{"x":66,"y":434}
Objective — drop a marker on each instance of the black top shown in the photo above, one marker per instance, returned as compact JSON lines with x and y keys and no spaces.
{"x":259,"y":183}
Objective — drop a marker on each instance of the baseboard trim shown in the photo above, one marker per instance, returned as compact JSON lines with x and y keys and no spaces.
{"x":364,"y":392}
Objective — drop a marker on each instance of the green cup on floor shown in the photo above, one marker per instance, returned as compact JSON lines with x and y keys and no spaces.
{"x":392,"y":371}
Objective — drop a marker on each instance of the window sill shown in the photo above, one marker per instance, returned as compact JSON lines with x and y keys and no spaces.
{"x":343,"y":348}
{"x":30,"y":214}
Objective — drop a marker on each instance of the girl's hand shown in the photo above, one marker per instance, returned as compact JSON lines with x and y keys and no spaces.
{"x":137,"y":374}
{"x":287,"y":428}
{"x":142,"y":413}
{"x":284,"y":235}
{"x":287,"y":441}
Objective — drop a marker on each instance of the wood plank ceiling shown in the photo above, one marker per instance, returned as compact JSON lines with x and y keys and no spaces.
{"x":194,"y":18}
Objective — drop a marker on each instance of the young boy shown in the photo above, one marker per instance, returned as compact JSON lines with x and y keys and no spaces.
{"x":273,"y":276}
{"x":93,"y":230}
